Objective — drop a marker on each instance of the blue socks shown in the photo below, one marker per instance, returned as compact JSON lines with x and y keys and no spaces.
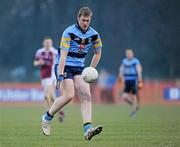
{"x":87,"y":126}
{"x":47,"y":116}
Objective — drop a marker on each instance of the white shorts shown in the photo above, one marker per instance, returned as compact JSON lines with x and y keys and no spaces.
{"x":46,"y":82}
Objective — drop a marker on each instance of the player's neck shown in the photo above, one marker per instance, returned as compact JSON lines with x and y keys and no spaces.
{"x":79,"y":27}
{"x":47,"y":48}
{"x":130,"y":58}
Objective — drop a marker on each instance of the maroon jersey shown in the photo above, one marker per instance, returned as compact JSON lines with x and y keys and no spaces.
{"x":48,"y":56}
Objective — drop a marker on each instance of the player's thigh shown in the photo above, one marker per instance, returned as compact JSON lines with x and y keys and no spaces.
{"x":134,"y":88}
{"x":82,"y":88}
{"x":127,"y":87}
{"x":67,"y":87}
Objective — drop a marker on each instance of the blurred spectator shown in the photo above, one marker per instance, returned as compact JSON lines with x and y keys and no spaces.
{"x":18,"y":73}
{"x":106,"y":82}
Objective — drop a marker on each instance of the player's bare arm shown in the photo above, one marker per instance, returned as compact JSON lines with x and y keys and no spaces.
{"x":62,"y":61}
{"x":120,"y":77}
{"x":61,"y":68}
{"x":96,"y":58}
{"x":139,"y":72}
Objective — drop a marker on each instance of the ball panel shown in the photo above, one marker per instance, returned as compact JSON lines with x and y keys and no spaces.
{"x":90,"y":74}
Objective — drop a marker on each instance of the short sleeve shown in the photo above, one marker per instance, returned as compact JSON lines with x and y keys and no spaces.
{"x":137,"y":61}
{"x":123,"y":62}
{"x":65,"y":41}
{"x":37,"y":55}
{"x":97,"y":44}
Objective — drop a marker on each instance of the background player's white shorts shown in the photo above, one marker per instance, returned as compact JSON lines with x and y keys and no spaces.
{"x":46,"y":82}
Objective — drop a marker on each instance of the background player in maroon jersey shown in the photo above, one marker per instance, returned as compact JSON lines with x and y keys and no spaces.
{"x":44,"y":58}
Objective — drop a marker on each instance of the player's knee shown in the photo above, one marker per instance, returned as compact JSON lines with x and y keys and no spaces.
{"x":134,"y":97}
{"x":124,"y":96}
{"x":47,"y":93}
{"x":47,"y":96}
{"x":69,"y":95}
{"x":52,"y":99}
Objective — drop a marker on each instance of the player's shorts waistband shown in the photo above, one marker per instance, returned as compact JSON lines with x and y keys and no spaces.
{"x":68,"y":68}
{"x":77,"y":55}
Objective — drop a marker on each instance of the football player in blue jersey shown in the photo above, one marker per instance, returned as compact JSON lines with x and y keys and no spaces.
{"x":76,"y":40}
{"x":130,"y":73}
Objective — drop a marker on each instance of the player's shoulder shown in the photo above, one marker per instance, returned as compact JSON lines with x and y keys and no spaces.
{"x":136,"y":60}
{"x":54,"y":50}
{"x":70,"y":28}
{"x":40,"y":50}
{"x":93,"y":31}
{"x":124,"y":60}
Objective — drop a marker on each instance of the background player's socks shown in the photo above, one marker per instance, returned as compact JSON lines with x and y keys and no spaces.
{"x":137,"y":108}
{"x":133,"y":114}
{"x":61,"y":116}
{"x":47,"y":117}
{"x":87,"y":126}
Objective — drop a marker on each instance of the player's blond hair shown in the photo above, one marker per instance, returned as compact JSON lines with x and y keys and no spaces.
{"x":85,"y":11}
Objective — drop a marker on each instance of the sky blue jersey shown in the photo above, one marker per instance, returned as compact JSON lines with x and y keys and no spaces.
{"x":77,"y":43}
{"x":129,"y":68}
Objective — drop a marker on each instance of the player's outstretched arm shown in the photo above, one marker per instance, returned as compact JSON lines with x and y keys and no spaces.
{"x":120,"y":76}
{"x":96,"y":58}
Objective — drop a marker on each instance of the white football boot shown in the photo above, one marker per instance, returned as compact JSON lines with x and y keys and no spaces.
{"x":46,"y":128}
{"x":92,"y":132}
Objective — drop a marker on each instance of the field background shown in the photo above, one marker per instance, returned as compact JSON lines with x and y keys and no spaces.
{"x":154,"y":126}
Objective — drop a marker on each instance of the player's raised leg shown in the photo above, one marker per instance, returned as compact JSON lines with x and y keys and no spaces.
{"x":83,"y":91}
{"x":68,"y":94}
{"x":127,"y":98}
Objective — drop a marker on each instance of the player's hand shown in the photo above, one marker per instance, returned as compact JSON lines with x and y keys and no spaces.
{"x":41,"y":62}
{"x":140,"y":85}
{"x":60,"y":78}
{"x":120,"y":79}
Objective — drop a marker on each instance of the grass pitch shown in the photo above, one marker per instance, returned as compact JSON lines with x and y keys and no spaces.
{"x":154,"y":126}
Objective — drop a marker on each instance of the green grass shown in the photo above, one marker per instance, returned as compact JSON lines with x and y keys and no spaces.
{"x":155,"y":126}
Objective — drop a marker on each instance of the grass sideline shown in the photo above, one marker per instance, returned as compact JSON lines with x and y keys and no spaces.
{"x":154,"y":126}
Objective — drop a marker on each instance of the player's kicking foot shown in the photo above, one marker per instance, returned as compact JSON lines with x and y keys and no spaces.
{"x":92,"y":132}
{"x":46,"y":128}
{"x":45,"y":123}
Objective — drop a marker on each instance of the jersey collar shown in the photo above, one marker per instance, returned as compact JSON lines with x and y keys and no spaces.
{"x":77,"y":26}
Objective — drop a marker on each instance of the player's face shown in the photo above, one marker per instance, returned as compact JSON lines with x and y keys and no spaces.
{"x":47,"y":43}
{"x":129,"y":54}
{"x":84,"y":22}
